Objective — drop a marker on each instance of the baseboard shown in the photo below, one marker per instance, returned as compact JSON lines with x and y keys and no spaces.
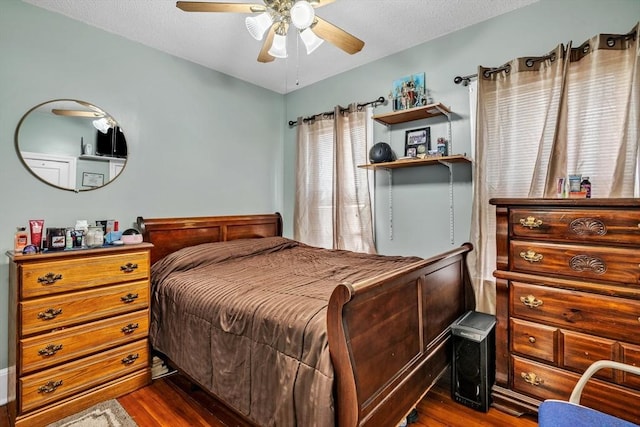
{"x":4,"y":379}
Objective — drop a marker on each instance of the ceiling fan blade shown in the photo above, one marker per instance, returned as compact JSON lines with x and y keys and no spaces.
{"x":264,"y":56}
{"x":198,"y":6}
{"x":76,"y":113}
{"x":320,"y":3}
{"x":337,"y":36}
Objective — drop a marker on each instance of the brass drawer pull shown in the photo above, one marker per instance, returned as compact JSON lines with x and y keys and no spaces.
{"x":128,"y":267}
{"x":50,"y":350}
{"x":50,"y":387}
{"x":531,"y":378}
{"x":531,"y":301}
{"x":49,"y":314}
{"x":130,"y":359}
{"x":129,"y":328}
{"x":531,"y":256}
{"x":129,"y":298}
{"x":532,"y":340}
{"x":49,"y":278}
{"x":531,"y":222}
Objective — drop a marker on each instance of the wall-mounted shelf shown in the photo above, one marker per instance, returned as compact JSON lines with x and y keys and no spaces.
{"x":100,"y":158}
{"x":411,"y":114}
{"x":457,"y":158}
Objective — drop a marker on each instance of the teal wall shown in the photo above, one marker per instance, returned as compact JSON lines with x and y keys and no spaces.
{"x":200,"y":142}
{"x":197,"y":149}
{"x":420,"y":196}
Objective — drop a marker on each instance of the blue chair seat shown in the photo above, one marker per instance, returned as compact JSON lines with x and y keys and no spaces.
{"x":559,"y":413}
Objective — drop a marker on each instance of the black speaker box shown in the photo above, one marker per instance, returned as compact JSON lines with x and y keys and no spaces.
{"x":473,"y":364}
{"x":111,"y":144}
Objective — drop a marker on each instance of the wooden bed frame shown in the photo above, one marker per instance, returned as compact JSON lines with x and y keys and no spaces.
{"x":389,"y":336}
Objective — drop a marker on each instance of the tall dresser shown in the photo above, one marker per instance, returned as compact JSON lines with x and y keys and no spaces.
{"x":568,"y":294}
{"x":78,"y":327}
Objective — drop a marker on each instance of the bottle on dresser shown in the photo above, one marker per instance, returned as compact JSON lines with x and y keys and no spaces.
{"x":21,"y":239}
{"x":585,"y":186}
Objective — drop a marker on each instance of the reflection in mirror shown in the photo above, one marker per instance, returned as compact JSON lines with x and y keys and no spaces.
{"x":71,"y":144}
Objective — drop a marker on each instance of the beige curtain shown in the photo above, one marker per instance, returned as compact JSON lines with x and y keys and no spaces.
{"x":333,"y":196}
{"x":575,"y":110}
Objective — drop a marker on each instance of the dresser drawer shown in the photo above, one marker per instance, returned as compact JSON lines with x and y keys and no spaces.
{"x":602,"y":315}
{"x":47,"y":314}
{"x":619,"y":265}
{"x":50,"y":277}
{"x":45,"y":350}
{"x":542,"y":381}
{"x":607,"y":226}
{"x":545,"y":382}
{"x":57,"y":383}
{"x":534,"y":340}
{"x":630,"y":354}
{"x":581,"y":350}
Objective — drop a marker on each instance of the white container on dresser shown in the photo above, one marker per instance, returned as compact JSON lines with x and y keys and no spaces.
{"x":78,"y":328}
{"x":567,"y":294}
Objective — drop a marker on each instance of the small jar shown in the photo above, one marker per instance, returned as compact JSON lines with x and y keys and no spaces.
{"x":94,"y":237}
{"x":78,"y":238}
{"x":56,"y":239}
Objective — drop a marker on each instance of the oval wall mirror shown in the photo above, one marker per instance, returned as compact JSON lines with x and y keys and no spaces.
{"x":71,"y":144}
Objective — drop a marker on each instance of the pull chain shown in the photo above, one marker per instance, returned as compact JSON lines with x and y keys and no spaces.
{"x":297,"y":60}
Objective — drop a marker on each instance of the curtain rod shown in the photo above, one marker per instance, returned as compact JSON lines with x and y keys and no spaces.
{"x":380,"y":100}
{"x":465,"y":80}
{"x":529,"y":62}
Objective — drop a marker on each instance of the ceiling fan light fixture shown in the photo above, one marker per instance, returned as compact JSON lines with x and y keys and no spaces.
{"x":103,"y":124}
{"x":279,"y":46}
{"x":311,"y":41}
{"x":302,"y":14}
{"x":258,"y":25}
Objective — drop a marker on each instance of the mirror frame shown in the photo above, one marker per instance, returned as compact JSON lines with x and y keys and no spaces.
{"x":53,"y":102}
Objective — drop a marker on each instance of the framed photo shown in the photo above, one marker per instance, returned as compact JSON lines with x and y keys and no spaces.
{"x":409,"y":92}
{"x":417,"y":141}
{"x":90,"y":179}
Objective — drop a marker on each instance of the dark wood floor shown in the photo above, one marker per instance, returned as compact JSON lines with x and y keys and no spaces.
{"x":165,"y":403}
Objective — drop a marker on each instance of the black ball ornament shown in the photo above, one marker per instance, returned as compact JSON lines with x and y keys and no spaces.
{"x":380,"y":152}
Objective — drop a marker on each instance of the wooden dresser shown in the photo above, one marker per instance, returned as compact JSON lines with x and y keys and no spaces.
{"x":78,"y":327}
{"x":568,"y":294}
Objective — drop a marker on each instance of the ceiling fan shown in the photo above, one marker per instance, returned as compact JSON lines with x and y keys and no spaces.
{"x":274,"y":18}
{"x":90,"y":111}
{"x":103,"y":122}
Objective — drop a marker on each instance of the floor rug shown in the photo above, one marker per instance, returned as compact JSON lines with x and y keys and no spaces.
{"x":105,"y":414}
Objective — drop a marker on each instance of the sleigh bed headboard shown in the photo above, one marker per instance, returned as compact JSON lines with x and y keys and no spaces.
{"x":170,"y":234}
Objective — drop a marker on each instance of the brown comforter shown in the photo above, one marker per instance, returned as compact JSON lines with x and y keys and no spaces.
{"x":246,"y":319}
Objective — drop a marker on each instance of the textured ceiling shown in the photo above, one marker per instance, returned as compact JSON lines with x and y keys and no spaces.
{"x":220,"y":40}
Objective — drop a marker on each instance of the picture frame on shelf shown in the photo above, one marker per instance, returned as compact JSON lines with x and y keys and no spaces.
{"x":409,"y":92}
{"x":417,"y":141}
{"x":90,"y":179}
